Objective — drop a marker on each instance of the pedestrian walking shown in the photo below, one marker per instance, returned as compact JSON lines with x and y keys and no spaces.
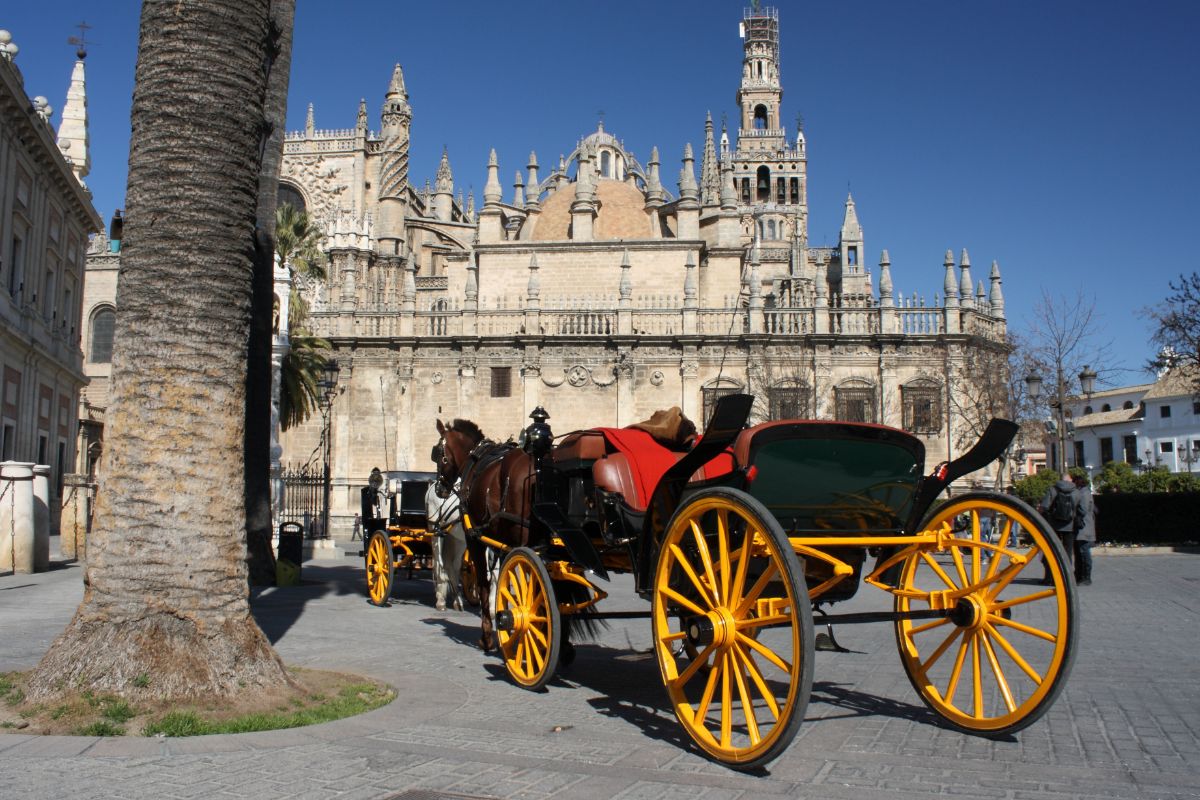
{"x":1085,"y":530}
{"x":1059,"y":507}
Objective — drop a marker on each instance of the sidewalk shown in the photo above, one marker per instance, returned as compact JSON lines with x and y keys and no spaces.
{"x":1127,"y":726}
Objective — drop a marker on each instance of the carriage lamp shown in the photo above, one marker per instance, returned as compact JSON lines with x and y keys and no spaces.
{"x":537,"y":438}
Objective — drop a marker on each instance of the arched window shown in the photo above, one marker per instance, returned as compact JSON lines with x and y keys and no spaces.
{"x":854,"y":401}
{"x":922,"y":406}
{"x":290,"y":195}
{"x":1127,"y":405}
{"x":1106,"y":407}
{"x":714,"y":391}
{"x":101,"y":336}
{"x":760,"y":117}
{"x":770,"y":229}
{"x":763,"y":191}
{"x":1087,"y":409}
{"x":606,"y":164}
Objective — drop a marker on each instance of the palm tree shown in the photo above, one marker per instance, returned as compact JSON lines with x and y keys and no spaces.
{"x":297,"y":241}
{"x":167,"y":595}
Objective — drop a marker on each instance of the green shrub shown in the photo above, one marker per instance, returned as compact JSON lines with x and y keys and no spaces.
{"x":1033,"y":488}
{"x":102,"y":728}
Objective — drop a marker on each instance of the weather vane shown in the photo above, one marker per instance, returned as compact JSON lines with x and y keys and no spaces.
{"x":80,"y":41}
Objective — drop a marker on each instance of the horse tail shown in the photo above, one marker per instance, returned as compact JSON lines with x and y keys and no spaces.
{"x":583,"y":625}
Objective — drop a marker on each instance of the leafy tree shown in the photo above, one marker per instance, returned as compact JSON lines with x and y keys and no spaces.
{"x":1177,"y":327}
{"x":1033,"y":488}
{"x":298,"y":240}
{"x":167,"y":592}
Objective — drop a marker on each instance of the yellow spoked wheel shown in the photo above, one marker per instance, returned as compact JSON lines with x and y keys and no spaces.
{"x":527,"y":619}
{"x":1000,"y":659}
{"x":470,"y":590}
{"x":380,"y":568}
{"x":729,"y":588}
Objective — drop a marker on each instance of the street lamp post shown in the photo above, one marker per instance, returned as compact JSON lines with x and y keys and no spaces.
{"x":328,"y":385}
{"x":1191,"y":454}
{"x":1087,"y":382}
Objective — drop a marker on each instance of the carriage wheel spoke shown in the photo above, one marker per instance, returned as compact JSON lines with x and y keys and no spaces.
{"x":506,"y":595}
{"x":673,"y":637}
{"x":705,"y":558}
{"x":976,"y":552}
{"x":693,"y":667}
{"x":1023,"y":628}
{"x":536,"y":632}
{"x":956,"y":554}
{"x":747,"y":706}
{"x":1005,"y":692}
{"x":723,"y":551}
{"x":668,"y":592}
{"x":937,"y":568}
{"x":538,"y":657}
{"x":756,"y":676}
{"x":688,"y":570}
{"x":928,"y":626}
{"x":767,"y":653}
{"x":1015,"y":656}
{"x":726,"y":702}
{"x":1029,"y":598}
{"x":942,"y":648}
{"x":757,"y":588}
{"x":759,"y":622}
{"x":956,"y":670}
{"x":710,"y":687}
{"x":743,"y":564}
{"x":976,"y":674}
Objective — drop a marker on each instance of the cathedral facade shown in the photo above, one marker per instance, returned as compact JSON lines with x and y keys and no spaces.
{"x":602,"y":290}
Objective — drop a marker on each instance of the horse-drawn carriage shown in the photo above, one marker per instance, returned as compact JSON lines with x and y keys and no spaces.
{"x":398,"y":533}
{"x":738,"y":539}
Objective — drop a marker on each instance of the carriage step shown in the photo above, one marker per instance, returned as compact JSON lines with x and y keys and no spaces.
{"x":574,"y":539}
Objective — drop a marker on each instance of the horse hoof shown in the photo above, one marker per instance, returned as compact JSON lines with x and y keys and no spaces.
{"x":440,"y":605}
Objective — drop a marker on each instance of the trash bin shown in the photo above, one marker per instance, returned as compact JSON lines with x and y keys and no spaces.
{"x":290,"y":555}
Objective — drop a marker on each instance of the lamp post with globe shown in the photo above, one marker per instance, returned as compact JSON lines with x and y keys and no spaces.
{"x":328,"y":385}
{"x":1087,"y":382}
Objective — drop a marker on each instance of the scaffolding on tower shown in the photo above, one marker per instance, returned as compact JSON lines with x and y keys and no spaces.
{"x":761,"y":24}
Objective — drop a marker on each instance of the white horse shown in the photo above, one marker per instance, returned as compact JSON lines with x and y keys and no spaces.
{"x":449,"y":543}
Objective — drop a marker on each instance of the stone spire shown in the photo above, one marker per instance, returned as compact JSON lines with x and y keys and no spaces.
{"x":710,"y":179}
{"x":492,"y":194}
{"x":654,"y":190}
{"x":532,"y":201}
{"x":309,"y":123}
{"x":965,"y":281}
{"x":851,"y":230}
{"x":408,"y":293}
{"x":980,"y":298}
{"x":427,"y":199}
{"x":885,"y":281}
{"x":519,"y":191}
{"x":997,"y":295}
{"x":951,"y":283}
{"x":724,"y":139}
{"x":728,"y":192}
{"x":689,"y":282}
{"x":688,"y":190}
{"x":584,"y":188}
{"x":533,"y":290}
{"x":443,"y":189}
{"x":361,"y":122}
{"x":470,"y":206}
{"x":73,"y":130}
{"x":396,"y":87}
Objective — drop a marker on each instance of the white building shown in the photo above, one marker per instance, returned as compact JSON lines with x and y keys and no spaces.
{"x":1145,"y":425}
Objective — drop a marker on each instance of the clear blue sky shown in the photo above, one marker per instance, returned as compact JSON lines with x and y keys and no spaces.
{"x":1056,"y":137}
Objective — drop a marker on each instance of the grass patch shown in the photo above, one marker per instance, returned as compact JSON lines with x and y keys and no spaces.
{"x":316,"y":697}
{"x":355,"y":698}
{"x":102,"y":728}
{"x":142,"y":681}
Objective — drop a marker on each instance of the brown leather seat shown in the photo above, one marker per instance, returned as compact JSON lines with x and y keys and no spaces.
{"x":612,"y":473}
{"x":584,"y":445}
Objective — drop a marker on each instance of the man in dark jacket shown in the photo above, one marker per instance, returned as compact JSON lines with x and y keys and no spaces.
{"x":1085,"y":530}
{"x":1059,"y":508}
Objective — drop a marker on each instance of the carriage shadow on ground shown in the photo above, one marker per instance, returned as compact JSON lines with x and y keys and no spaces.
{"x":277,"y":608}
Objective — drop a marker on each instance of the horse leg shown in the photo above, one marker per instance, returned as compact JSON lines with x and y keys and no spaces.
{"x":454,"y":543}
{"x":439,"y":572}
{"x":487,"y":638}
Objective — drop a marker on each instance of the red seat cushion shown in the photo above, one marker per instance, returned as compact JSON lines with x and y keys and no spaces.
{"x":645,"y":461}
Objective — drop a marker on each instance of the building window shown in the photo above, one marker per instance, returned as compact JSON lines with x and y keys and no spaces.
{"x":922,"y":409}
{"x":789,"y":402}
{"x":763,"y":189}
{"x":1106,"y":407}
{"x":1087,"y":409}
{"x":1106,"y":450}
{"x":711,"y":396}
{"x":8,"y":442}
{"x":1164,"y":411}
{"x":606,"y":164}
{"x":1127,"y":405}
{"x":1196,"y":406}
{"x":501,"y":382}
{"x":101,"y":337}
{"x":794,"y":184}
{"x":14,"y":272}
{"x":760,"y":114}
{"x":1129,"y":445}
{"x":855,"y":404}
{"x":1166,"y":447}
{"x":1079,"y":457}
{"x":288,"y":196}
{"x":851,"y":256}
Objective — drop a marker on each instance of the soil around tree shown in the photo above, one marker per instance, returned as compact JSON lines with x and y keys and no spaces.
{"x":316,"y":696}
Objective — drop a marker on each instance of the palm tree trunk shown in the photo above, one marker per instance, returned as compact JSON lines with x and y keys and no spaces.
{"x":259,"y":377}
{"x":167,"y":595}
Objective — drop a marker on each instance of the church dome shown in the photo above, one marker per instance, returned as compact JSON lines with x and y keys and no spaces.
{"x":621,"y":213}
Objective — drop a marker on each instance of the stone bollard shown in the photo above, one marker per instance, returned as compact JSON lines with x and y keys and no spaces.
{"x":41,"y":517}
{"x":16,"y":516}
{"x":76,"y":513}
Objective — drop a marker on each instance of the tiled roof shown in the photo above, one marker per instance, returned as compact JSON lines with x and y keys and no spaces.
{"x":1178,"y":382}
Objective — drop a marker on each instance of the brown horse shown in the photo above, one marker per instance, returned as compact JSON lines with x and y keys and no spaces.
{"x":496,"y":494}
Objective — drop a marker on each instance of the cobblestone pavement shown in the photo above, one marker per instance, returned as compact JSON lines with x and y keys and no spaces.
{"x":1127,"y":726}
